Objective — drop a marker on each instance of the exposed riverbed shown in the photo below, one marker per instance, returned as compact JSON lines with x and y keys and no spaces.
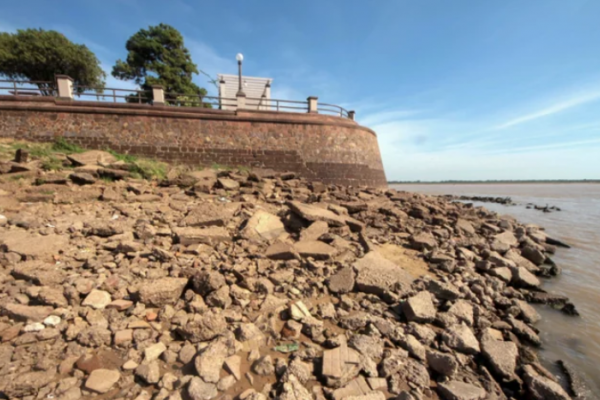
{"x":576,"y":339}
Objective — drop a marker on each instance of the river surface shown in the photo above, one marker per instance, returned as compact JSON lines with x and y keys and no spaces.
{"x":575,"y":339}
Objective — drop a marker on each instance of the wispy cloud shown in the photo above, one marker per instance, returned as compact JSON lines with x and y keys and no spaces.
{"x":378,"y":118}
{"x":209,"y":61}
{"x":556,"y":108}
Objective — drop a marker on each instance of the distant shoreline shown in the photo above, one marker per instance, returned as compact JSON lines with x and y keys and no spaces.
{"x":492,"y":182}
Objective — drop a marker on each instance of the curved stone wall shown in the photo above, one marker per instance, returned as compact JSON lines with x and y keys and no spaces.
{"x":325,"y":148}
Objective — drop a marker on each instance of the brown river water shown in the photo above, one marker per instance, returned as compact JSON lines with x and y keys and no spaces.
{"x":574,"y":339}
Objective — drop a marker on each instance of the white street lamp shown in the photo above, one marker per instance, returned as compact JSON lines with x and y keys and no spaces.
{"x":240,"y":57}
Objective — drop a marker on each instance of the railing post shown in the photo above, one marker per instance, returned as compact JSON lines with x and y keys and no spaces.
{"x":241,"y":101}
{"x":158,"y":95}
{"x":313,"y":105}
{"x":268,"y":96}
{"x":64,"y":84}
{"x":221,"y":94}
{"x":351,"y":115}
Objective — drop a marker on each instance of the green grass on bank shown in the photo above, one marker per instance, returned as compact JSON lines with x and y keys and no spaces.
{"x":142,"y":168}
{"x":52,"y":157}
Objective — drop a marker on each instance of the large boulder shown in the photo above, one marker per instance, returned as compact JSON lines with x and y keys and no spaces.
{"x":378,"y":275}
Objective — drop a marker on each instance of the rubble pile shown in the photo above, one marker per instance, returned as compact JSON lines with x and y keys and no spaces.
{"x":254,"y":285}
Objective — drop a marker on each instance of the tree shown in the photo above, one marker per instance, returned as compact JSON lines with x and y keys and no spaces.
{"x":39,"y":55}
{"x":157,"y":56}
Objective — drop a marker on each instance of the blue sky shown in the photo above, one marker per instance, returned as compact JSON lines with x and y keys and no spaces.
{"x":461,"y":89}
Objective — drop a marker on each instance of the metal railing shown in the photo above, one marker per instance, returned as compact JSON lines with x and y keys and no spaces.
{"x":64,"y":89}
{"x":324,"y":108}
{"x":196,"y":100}
{"x":113,"y":94}
{"x":28,"y":88}
{"x":276,"y":104}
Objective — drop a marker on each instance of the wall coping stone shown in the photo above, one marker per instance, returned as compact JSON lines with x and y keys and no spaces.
{"x":51,"y":104}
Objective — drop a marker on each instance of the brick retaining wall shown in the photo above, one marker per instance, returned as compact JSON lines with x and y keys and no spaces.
{"x":325,"y":148}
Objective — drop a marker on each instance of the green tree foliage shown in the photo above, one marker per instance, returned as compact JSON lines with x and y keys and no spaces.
{"x":157,"y":56}
{"x":39,"y":55}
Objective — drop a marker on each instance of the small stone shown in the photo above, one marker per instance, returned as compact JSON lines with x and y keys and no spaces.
{"x":461,"y":338}
{"x":102,"y":380}
{"x":315,"y":249}
{"x":120,"y":304}
{"x":52,"y":320}
{"x":160,"y":292}
{"x":522,"y":277}
{"x":97,"y":299}
{"x":457,"y":390}
{"x":502,"y":356}
{"x":314,"y":231}
{"x":342,"y":281}
{"x":226,"y":383}
{"x":263,"y":225}
{"x":209,"y":362}
{"x":35,"y":327}
{"x":228,"y":184}
{"x":200,"y":390}
{"x":299,"y":311}
{"x":233,"y":365}
{"x":419,"y":308}
{"x":152,"y":353}
{"x":130,"y":365}
{"x":150,"y":373}
{"x":263,"y":366}
{"x":82,"y":178}
{"x":442,"y":363}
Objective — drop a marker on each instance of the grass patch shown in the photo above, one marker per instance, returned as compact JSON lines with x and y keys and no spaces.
{"x":221,"y":167}
{"x":126,"y":158}
{"x":148,"y":169}
{"x":62,"y":146}
{"x":142,"y":168}
{"x":51,"y":163}
{"x":107,"y":179}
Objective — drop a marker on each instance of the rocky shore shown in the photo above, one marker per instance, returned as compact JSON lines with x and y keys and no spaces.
{"x":229,"y":284}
